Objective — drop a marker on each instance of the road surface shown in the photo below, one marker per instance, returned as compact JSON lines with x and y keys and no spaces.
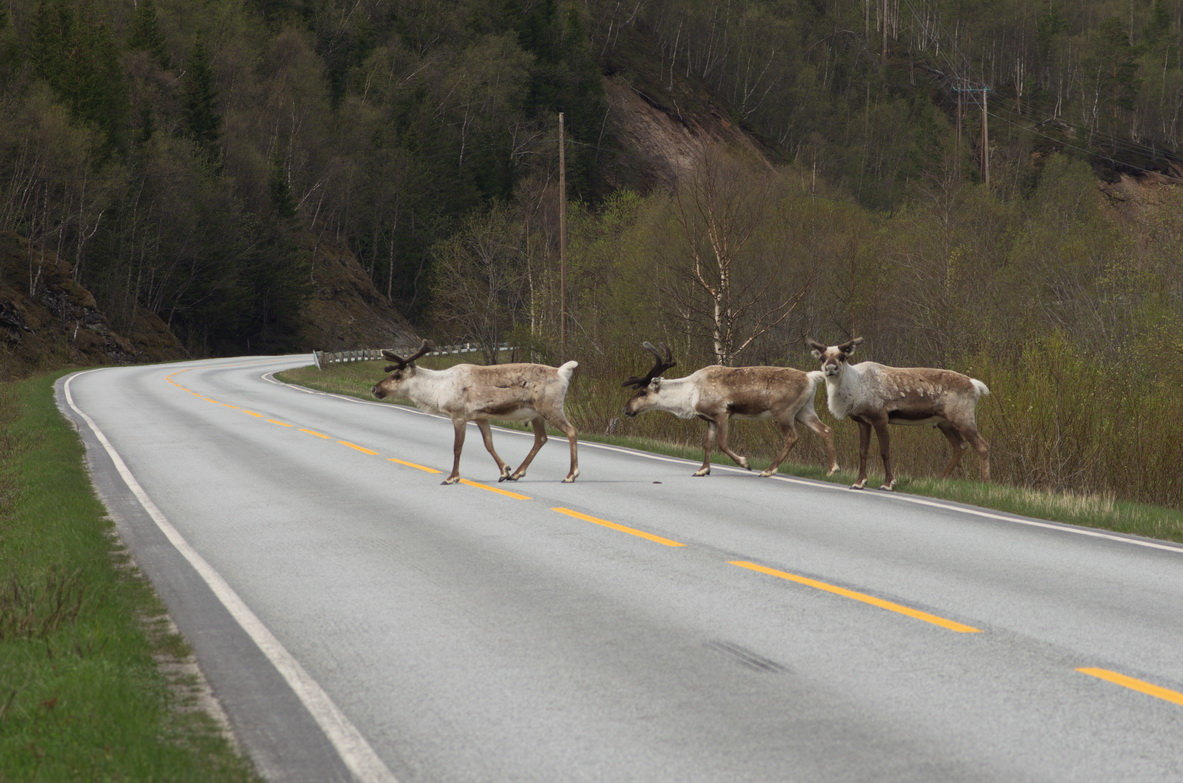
{"x":358,"y":620}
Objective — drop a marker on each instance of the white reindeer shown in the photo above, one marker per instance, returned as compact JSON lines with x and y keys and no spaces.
{"x":717,"y":393}
{"x":875,"y":395}
{"x":469,"y":392}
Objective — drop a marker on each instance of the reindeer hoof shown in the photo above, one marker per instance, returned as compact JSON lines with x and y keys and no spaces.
{"x":570,"y":479}
{"x":833,"y":470}
{"x":743,"y":463}
{"x":888,"y":487}
{"x":450,"y":480}
{"x":859,"y":484}
{"x":766,"y":473}
{"x":702,"y":472}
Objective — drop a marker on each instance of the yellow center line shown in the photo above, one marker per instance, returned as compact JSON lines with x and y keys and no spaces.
{"x":356,"y":447}
{"x":1135,"y":685}
{"x":280,"y":423}
{"x":316,"y":434}
{"x":251,"y":413}
{"x":622,"y":528}
{"x":423,"y":468}
{"x":867,"y":599}
{"x":498,"y":490}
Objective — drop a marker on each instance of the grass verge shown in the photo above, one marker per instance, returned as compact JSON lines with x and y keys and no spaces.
{"x":1102,"y":511}
{"x":94,"y":683}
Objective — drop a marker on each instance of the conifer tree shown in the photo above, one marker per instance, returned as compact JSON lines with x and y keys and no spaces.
{"x":202,"y":119}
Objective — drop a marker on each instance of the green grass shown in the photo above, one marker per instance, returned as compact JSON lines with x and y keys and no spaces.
{"x":592,"y":404}
{"x":93,"y":680}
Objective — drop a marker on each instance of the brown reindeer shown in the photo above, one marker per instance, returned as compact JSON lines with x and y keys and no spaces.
{"x":875,"y":395}
{"x":716,"y":394}
{"x":469,"y":392}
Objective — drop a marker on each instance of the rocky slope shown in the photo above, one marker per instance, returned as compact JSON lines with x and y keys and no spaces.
{"x":48,"y":320}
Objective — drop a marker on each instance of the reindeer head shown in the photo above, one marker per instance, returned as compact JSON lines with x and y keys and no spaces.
{"x":833,"y":357}
{"x":400,"y":372}
{"x":649,"y":384}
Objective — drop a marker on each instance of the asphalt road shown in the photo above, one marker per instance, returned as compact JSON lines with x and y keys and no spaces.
{"x":355,"y":618}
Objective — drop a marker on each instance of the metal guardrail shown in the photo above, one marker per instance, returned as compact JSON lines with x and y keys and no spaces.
{"x":327,"y":358}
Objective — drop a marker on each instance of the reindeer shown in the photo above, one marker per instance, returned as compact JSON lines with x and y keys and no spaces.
{"x":715,"y":394}
{"x":875,"y":395}
{"x":469,"y":392}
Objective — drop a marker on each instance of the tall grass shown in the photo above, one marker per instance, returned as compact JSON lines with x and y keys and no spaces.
{"x":1071,"y":440}
{"x":84,"y":644}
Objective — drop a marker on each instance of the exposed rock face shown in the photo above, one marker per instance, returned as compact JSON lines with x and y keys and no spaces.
{"x":48,"y":320}
{"x":346,"y":311}
{"x":664,"y":140}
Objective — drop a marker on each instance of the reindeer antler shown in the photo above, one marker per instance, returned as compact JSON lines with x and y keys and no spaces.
{"x":664,"y":362}
{"x":400,"y":362}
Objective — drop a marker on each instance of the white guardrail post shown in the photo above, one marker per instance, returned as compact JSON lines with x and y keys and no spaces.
{"x":324,"y":359}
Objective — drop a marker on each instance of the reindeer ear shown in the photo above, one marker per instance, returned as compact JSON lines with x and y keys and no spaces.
{"x":816,"y":353}
{"x":655,"y":384}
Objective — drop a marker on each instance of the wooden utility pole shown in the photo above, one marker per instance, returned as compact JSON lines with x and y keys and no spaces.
{"x":562,"y":241}
{"x":958,"y":169}
{"x":985,"y":139}
{"x":883,"y":21}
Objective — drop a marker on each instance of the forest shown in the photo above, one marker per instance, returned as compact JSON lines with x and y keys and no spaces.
{"x":186,"y":158}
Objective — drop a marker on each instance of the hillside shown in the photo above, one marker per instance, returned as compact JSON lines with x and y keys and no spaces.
{"x":48,"y":320}
{"x":184,"y":160}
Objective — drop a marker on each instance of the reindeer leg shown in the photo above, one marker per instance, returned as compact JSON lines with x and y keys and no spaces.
{"x":884,"y":438}
{"x":810,"y":420}
{"x":956,"y":443}
{"x":539,"y":439}
{"x":573,"y":440}
{"x":983,"y":449}
{"x":724,"y":426}
{"x":708,"y":445}
{"x":459,"y":426}
{"x":487,"y":436}
{"x":789,"y":429}
{"x":864,"y":443}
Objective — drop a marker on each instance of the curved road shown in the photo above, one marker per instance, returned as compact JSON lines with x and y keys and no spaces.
{"x":358,"y":620}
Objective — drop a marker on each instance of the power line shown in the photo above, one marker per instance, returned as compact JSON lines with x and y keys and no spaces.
{"x":945,"y":45}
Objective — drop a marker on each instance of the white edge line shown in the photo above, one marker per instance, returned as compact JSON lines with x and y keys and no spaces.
{"x":349,"y":743}
{"x":1064,"y":527}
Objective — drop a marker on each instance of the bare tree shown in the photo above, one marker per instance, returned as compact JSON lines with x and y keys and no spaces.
{"x":724,"y":211}
{"x":479,"y":287}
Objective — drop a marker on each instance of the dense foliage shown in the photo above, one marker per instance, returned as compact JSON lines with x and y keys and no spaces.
{"x":185,"y":157}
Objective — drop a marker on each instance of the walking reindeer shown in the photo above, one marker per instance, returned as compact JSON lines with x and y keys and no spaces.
{"x":470,"y":392}
{"x":716,"y":394}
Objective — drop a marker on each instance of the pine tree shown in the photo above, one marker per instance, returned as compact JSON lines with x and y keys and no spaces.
{"x":145,"y":35}
{"x":202,"y":120}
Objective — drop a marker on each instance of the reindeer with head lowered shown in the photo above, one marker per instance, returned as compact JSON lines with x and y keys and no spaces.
{"x":716,"y":394}
{"x":875,"y":395}
{"x":470,"y":392}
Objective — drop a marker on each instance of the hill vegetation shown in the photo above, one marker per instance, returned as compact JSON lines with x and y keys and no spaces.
{"x":742,"y":174}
